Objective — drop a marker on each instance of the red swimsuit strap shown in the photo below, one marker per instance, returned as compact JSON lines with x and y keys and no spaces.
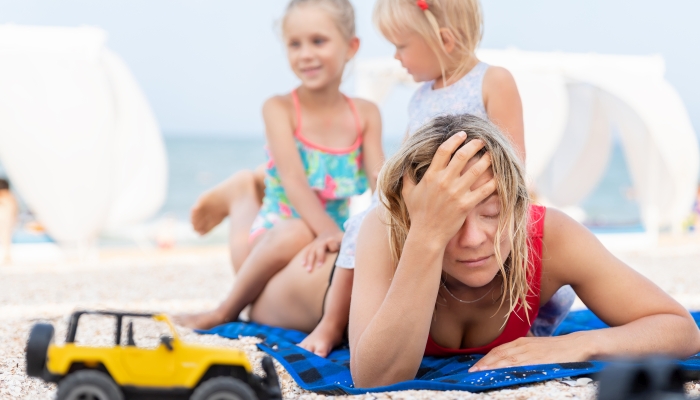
{"x":520,"y":321}
{"x":301,"y":138}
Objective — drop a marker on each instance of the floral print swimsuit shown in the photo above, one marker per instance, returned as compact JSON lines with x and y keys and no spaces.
{"x":334,"y":174}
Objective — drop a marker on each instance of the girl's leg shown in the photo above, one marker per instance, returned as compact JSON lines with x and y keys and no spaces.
{"x":336,"y":312}
{"x":238,"y":197}
{"x":271,"y":252}
{"x":294,"y":298}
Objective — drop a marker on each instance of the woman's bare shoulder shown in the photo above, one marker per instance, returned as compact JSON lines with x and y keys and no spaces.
{"x":373,"y":223}
{"x":570,"y":252}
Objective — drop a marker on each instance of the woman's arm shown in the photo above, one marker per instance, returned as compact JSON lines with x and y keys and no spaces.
{"x":386,"y":305}
{"x":373,"y":154}
{"x":280,"y":141}
{"x":388,"y":302}
{"x":504,"y":107}
{"x":644,"y":319}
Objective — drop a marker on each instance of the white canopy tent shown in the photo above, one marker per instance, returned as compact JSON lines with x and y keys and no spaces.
{"x":77,"y":136}
{"x":572,"y":104}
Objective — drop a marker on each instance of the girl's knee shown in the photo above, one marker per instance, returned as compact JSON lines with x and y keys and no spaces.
{"x":245,"y":180}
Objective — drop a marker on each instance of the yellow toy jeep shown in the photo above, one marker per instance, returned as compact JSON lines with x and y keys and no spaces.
{"x":173,"y":369}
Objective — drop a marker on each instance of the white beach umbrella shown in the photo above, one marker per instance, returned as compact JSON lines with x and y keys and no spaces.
{"x":77,"y":137}
{"x":572,"y":105}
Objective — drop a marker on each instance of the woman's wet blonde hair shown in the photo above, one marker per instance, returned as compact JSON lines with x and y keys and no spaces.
{"x":463,"y":18}
{"x":412,"y":161}
{"x":341,"y":11}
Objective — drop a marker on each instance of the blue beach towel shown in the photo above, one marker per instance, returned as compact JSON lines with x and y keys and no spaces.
{"x":331,"y":375}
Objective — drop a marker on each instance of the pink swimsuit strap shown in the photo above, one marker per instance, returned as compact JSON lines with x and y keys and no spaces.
{"x":301,"y":138}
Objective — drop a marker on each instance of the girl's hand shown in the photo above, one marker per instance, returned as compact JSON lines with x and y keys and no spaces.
{"x":439,"y":204}
{"x":314,"y":255}
{"x":535,"y":350}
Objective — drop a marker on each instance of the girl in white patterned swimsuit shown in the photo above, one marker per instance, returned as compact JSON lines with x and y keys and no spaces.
{"x":435,"y":42}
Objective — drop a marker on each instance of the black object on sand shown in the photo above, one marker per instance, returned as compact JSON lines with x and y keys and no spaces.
{"x":654,"y":378}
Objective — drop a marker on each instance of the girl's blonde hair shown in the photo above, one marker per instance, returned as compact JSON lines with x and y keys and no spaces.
{"x":341,"y":11}
{"x":412,"y":161}
{"x":462,"y":18}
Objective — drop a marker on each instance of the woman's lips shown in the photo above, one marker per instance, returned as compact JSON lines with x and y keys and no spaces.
{"x":474,"y":262}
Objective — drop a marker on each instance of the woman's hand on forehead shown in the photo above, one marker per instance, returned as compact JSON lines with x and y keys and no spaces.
{"x":440,"y":202}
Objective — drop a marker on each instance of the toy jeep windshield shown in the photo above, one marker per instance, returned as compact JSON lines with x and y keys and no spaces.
{"x":172,"y":369}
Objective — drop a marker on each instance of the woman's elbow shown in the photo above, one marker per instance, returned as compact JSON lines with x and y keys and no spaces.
{"x":692,"y":333}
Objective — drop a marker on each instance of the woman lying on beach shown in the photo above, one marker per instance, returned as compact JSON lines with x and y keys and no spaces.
{"x":456,"y":260}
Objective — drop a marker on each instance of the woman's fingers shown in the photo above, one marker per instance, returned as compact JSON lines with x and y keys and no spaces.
{"x":505,"y":355}
{"x":443,"y":154}
{"x":462,"y":156}
{"x":478,"y":169}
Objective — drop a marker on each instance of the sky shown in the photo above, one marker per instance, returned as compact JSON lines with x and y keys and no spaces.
{"x":207,"y":66}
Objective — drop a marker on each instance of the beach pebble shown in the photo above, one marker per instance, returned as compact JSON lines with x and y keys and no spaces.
{"x":186,"y":280}
{"x":577,"y":382}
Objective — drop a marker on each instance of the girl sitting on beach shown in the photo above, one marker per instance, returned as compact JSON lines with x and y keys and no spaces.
{"x":435,"y":42}
{"x":322,"y":146}
{"x":456,"y":260}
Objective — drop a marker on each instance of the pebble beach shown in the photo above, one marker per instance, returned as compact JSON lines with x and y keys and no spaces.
{"x":190,"y":279}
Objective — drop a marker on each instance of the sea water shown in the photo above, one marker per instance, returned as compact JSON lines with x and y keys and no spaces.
{"x":198,"y":163}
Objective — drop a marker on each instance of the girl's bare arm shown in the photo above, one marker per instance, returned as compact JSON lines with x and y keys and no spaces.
{"x":644,"y":319}
{"x":504,"y":107}
{"x":280,"y":141}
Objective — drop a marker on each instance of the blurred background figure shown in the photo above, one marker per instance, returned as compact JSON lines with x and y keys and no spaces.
{"x":695,"y":215}
{"x":8,"y":218}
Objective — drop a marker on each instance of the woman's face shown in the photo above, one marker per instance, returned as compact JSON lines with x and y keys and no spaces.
{"x":470,"y":255}
{"x":316,"y":50}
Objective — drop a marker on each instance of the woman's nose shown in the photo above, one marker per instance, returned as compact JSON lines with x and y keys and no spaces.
{"x":471,"y":234}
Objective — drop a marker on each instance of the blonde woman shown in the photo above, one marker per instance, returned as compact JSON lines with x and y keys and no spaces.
{"x":457,"y":261}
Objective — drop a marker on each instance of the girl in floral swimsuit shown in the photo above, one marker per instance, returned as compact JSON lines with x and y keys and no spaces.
{"x":320,"y":144}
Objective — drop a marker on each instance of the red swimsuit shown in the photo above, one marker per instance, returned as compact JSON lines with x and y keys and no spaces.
{"x":517,"y":325}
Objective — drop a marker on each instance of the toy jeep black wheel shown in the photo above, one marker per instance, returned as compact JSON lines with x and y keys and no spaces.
{"x":223,"y":388}
{"x":88,"y":385}
{"x":38,"y":343}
